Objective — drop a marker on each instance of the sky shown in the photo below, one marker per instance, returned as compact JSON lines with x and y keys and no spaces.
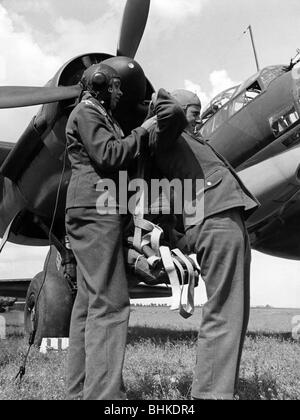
{"x":195,"y":44}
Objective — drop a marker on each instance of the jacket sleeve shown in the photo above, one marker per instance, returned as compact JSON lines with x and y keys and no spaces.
{"x":171,"y":121}
{"x":103,"y":147}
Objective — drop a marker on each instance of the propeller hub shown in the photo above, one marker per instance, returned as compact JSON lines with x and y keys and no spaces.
{"x":134,"y":83}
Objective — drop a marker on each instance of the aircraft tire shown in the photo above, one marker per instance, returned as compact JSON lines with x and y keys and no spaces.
{"x":52,"y":309}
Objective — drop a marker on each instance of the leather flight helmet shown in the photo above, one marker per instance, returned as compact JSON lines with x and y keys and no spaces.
{"x":186,"y":98}
{"x":98,"y":77}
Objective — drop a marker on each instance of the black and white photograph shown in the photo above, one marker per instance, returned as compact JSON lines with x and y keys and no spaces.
{"x":149,"y":202}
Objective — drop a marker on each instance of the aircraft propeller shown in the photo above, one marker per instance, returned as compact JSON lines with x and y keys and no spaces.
{"x":18,"y":96}
{"x":132,"y":29}
{"x":133,"y":26}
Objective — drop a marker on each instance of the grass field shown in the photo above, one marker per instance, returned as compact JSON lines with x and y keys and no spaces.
{"x":160,"y":359}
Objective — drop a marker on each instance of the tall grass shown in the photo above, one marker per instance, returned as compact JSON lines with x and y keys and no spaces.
{"x":159,"y":362}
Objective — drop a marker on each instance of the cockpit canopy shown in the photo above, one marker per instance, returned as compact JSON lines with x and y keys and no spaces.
{"x":232,"y":100}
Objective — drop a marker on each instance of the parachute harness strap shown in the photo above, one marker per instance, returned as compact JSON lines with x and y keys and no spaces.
{"x":177,"y":265}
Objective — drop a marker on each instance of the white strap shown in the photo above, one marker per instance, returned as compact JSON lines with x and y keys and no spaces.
{"x":153,"y":260}
{"x":152,"y":238}
{"x":146,"y":240}
{"x":156,"y":235}
{"x":194,"y":259}
{"x":173,"y":277}
{"x":187,"y":308}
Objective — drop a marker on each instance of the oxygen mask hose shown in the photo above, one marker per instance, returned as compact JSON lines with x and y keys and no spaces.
{"x":22,"y":369}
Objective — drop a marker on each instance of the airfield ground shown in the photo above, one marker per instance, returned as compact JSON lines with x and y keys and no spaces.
{"x":160,"y":359}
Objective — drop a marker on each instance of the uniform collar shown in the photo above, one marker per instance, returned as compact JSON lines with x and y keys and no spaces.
{"x":88,"y":97}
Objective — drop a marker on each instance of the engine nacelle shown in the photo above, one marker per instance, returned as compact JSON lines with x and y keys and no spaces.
{"x":273,"y":182}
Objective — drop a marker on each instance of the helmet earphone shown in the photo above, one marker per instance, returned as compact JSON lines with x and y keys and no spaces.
{"x":97,"y":79}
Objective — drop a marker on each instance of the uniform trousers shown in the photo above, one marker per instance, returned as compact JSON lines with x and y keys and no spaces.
{"x":222,"y":246}
{"x":99,"y":322}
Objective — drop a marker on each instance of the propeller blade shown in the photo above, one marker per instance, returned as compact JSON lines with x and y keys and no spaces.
{"x":133,"y":26}
{"x":19,"y":96}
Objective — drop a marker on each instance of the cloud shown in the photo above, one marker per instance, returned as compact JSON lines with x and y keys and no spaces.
{"x":49,"y":10}
{"x":74,"y":37}
{"x":20,"y":47}
{"x":28,"y":6}
{"x":193,"y":87}
{"x":167,"y":10}
{"x":22,"y":62}
{"x":42,"y":36}
{"x":33,"y":54}
{"x":219,"y":81}
{"x":167,"y":19}
{"x":177,"y":9}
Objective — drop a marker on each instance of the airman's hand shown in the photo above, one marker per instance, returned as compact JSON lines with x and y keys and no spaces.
{"x":148,"y":124}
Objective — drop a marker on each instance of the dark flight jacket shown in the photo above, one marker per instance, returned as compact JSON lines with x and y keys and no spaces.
{"x":97,"y":150}
{"x":190,"y":157}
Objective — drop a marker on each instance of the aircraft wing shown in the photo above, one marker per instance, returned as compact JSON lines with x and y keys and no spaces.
{"x":14,"y":287}
{"x":5,"y":148}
